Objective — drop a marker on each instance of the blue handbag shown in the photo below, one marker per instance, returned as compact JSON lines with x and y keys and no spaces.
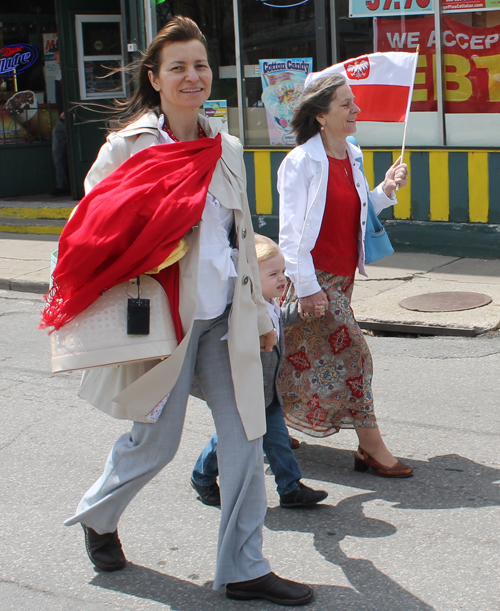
{"x":377,"y":242}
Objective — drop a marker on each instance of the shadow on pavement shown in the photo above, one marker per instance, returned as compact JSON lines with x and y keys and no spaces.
{"x":183,"y":595}
{"x":443,"y":482}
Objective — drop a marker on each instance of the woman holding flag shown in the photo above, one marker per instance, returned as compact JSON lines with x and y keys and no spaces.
{"x":169,"y":187}
{"x":326,"y":378}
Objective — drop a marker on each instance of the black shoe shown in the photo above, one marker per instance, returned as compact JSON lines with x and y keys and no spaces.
{"x":273,"y":588}
{"x":208,"y":495}
{"x":105,"y":551}
{"x":302,"y":496}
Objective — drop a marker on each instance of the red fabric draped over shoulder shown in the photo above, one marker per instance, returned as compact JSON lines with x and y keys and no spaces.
{"x":130,"y":223}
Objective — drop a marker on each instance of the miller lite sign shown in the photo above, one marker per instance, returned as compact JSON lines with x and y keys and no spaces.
{"x":15,"y":59}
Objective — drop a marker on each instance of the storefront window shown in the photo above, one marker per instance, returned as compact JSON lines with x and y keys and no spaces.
{"x":215,"y":19}
{"x":279,"y":45}
{"x":471,"y":43}
{"x":278,"y":49}
{"x":27,"y":72}
{"x":100,"y":56}
{"x":371,"y":26}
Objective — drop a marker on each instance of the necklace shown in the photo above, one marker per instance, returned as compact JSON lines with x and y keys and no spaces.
{"x":166,"y":128}
{"x":348,"y":176}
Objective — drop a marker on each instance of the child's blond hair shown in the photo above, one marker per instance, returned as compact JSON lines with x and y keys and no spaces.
{"x":265,"y":248}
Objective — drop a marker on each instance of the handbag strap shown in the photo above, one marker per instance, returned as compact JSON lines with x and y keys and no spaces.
{"x":373,"y":223}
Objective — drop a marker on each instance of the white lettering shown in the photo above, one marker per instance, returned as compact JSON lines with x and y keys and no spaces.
{"x":491,"y":39}
{"x":477,"y":42}
{"x":446,"y":42}
{"x":397,"y":41}
{"x":432,"y":39}
{"x":462,"y":37}
{"x":413,"y":38}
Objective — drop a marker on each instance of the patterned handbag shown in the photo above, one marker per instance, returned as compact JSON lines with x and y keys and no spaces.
{"x":98,"y":336}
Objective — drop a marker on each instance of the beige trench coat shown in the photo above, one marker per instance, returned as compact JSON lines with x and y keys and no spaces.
{"x":132,"y":391}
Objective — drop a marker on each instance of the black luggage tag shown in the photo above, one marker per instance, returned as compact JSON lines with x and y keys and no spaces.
{"x":138,"y":315}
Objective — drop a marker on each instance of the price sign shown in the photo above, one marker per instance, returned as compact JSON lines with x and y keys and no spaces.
{"x":386,"y":8}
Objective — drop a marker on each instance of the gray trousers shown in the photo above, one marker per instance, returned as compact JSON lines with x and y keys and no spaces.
{"x":139,"y":455}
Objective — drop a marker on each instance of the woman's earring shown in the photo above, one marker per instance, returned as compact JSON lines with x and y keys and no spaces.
{"x":322,"y":128}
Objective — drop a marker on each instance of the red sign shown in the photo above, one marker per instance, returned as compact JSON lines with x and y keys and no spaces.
{"x":471,"y":58}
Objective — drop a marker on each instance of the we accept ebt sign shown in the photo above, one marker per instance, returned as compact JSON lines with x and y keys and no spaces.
{"x":471,"y":56}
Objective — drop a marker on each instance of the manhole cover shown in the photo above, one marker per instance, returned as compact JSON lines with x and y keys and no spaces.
{"x":445,"y":302}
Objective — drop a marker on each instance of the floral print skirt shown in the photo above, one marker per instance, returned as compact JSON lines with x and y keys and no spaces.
{"x":325,"y":377}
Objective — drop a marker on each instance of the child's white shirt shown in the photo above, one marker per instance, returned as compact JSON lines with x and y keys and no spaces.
{"x":275,"y":314}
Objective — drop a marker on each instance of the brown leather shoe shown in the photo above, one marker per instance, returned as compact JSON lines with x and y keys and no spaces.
{"x":363,"y":462}
{"x":294,"y":443}
{"x":273,"y":588}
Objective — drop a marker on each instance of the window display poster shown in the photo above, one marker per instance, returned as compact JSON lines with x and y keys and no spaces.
{"x":399,"y":8}
{"x":282,"y":85}
{"x":51,"y":68}
{"x":471,"y":58}
{"x":217,"y":109}
{"x":49,"y":42}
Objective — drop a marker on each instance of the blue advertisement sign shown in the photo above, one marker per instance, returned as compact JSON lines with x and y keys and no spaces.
{"x":387,"y":8}
{"x":15,"y":59}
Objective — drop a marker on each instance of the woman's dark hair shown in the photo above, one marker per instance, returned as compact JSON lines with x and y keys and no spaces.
{"x":315,"y":100}
{"x":145,"y":98}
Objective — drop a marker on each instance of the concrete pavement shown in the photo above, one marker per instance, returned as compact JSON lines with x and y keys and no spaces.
{"x":427,"y":543}
{"x":25,"y":266}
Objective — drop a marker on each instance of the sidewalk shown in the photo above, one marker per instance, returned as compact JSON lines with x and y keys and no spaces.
{"x":38,"y":215}
{"x":25,"y":266}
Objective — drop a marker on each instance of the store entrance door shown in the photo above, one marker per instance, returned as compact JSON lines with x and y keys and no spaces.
{"x":91,"y":44}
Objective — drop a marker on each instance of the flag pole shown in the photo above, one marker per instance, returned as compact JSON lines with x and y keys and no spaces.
{"x":408,"y":112}
{"x":406,"y":118}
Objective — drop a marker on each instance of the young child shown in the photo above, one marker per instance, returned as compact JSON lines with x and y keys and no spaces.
{"x":293,"y":493}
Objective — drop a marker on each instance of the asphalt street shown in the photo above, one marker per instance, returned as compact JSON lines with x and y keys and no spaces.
{"x":431,"y":542}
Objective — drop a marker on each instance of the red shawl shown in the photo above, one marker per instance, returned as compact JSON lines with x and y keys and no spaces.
{"x":130,"y":223}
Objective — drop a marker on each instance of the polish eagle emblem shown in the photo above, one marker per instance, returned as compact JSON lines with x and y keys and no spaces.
{"x":358,"y":69}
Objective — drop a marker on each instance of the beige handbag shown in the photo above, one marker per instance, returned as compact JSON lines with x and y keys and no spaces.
{"x":98,"y":336}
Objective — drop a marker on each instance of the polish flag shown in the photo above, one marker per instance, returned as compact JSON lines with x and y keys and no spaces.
{"x":381,"y":82}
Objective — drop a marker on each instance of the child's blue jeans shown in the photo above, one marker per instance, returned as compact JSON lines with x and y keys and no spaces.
{"x":277,"y":448}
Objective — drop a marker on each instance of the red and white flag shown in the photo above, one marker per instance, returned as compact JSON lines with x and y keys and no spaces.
{"x":381,"y":82}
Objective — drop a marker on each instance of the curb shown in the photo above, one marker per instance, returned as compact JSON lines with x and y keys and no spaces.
{"x":24,"y":286}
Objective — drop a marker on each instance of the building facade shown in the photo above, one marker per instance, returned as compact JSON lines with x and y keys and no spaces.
{"x":260,"y":52}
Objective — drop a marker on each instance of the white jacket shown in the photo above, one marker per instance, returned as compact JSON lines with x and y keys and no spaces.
{"x":302,"y":185}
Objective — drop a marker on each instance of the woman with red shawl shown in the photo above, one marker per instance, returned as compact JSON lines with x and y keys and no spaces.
{"x":169,"y":186}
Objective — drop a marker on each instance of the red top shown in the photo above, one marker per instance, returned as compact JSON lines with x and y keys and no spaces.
{"x":336,"y":249}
